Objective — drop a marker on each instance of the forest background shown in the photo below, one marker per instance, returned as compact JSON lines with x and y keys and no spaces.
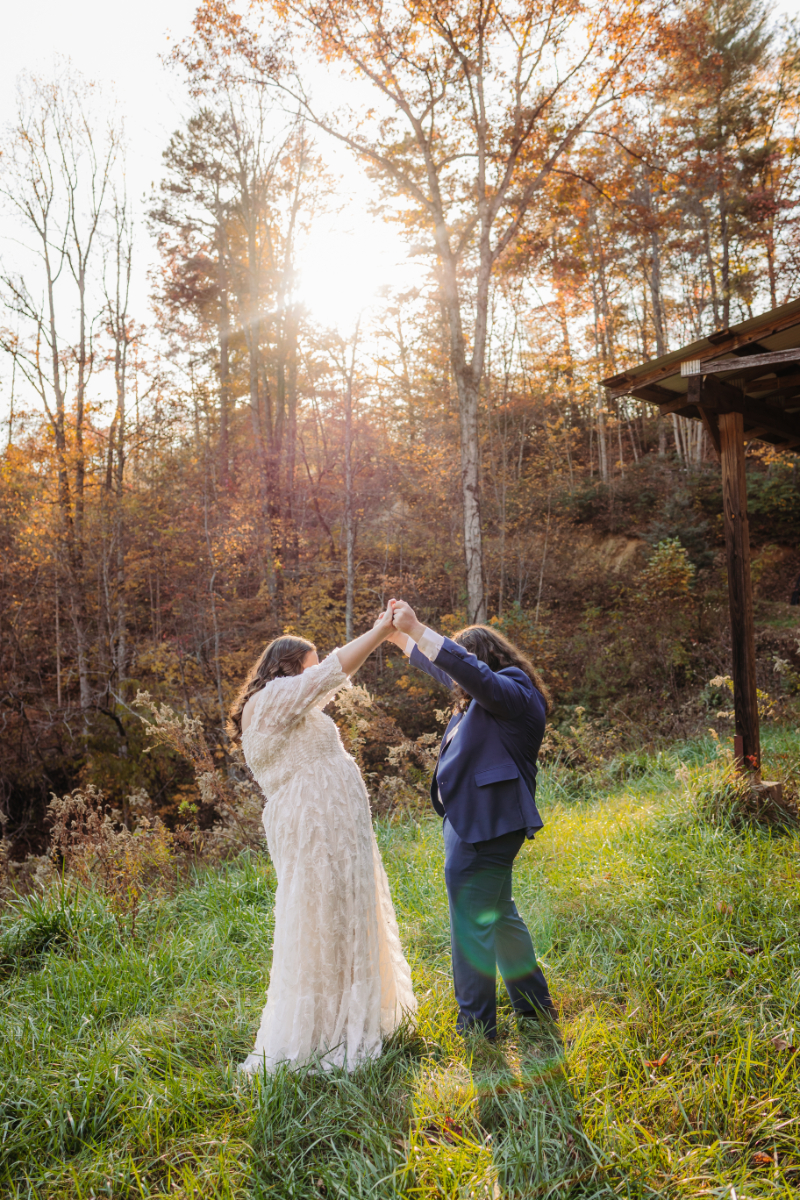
{"x":579,"y":188}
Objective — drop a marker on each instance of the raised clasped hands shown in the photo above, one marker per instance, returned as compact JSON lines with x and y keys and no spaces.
{"x":398,"y":621}
{"x":383,"y":621}
{"x":405,"y":620}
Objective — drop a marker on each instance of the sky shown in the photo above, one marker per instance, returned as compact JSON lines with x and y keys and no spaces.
{"x":349,"y":257}
{"x":119,"y":47}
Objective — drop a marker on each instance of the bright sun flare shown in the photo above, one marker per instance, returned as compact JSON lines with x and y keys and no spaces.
{"x":344,"y":265}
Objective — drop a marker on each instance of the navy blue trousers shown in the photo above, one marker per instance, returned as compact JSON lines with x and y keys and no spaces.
{"x":487,"y":932}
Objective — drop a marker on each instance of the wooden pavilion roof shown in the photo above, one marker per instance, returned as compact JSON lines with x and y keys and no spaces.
{"x":752,"y":368}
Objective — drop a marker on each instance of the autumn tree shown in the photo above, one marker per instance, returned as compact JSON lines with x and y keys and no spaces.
{"x":240,"y":187}
{"x":720,"y":104}
{"x":476,"y":104}
{"x":58,"y":167}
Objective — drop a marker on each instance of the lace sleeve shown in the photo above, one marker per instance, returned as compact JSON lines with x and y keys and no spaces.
{"x":283,"y":700}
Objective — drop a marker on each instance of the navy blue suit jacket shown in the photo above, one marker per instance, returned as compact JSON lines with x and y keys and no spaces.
{"x":485,"y":779}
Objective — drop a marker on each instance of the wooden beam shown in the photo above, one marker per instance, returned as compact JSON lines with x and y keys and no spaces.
{"x":705,"y":348}
{"x":653,"y":393}
{"x":708,"y":416}
{"x":671,"y":406}
{"x":775,"y":385}
{"x":616,"y":381}
{"x":753,"y":434}
{"x":720,"y":336}
{"x":778,"y":379}
{"x":711,"y":426}
{"x":740,"y":590}
{"x":721,"y":396}
{"x":696,"y":366}
{"x":748,"y":374}
{"x":756,"y":432}
{"x":706,"y":393}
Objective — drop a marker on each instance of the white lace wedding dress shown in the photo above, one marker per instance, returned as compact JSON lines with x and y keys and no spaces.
{"x":339,"y":979}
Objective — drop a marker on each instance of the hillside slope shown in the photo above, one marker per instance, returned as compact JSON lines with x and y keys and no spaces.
{"x":671,"y":950}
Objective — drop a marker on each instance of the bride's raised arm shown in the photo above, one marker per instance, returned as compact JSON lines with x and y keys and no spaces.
{"x":355,"y":653}
{"x":286,"y":698}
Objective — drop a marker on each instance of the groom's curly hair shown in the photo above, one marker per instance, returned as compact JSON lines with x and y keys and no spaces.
{"x":283,"y":656}
{"x":497,"y":652}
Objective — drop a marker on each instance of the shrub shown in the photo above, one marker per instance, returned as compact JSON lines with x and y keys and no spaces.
{"x":354,"y":707}
{"x":583,"y":746}
{"x":94,"y":846}
{"x":789,"y":676}
{"x":19,"y":878}
{"x":669,"y":574}
{"x":90,"y":840}
{"x":404,"y":779}
{"x":722,"y":795}
{"x":768,"y":709}
{"x":773,"y":502}
{"x":414,"y":762}
{"x":238,"y":803}
{"x":36,"y":928}
{"x":576,"y":758}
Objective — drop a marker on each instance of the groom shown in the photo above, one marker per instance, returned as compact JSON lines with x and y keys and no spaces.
{"x":483,"y":787}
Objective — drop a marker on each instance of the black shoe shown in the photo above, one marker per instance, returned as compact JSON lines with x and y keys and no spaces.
{"x":477,"y":1030}
{"x":545,"y":1015}
{"x":544,"y":1019}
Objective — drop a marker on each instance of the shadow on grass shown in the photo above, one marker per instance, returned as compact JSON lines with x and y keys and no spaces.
{"x":527,"y":1107}
{"x":333,"y":1133}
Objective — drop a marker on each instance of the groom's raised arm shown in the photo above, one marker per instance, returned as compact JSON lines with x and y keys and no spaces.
{"x":423,"y":647}
{"x":429,"y":644}
{"x":420,"y":653}
{"x":499,"y":693}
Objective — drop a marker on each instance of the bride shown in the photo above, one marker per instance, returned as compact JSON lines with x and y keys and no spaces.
{"x":339,"y":980}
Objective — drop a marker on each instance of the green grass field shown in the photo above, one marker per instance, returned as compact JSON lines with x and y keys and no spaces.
{"x":671,"y":948}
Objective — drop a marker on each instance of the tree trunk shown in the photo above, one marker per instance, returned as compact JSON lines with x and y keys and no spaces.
{"x":290,"y":461}
{"x":119,"y":321}
{"x":569,"y":372}
{"x":468,"y":388}
{"x":224,"y":334}
{"x":769,"y":245}
{"x":602,"y":448}
{"x":712,"y":274}
{"x":740,"y":592}
{"x":659,"y":322}
{"x":676,"y":429}
{"x":541,"y":569}
{"x":470,"y":491}
{"x":349,"y":515}
{"x":662,"y":435}
{"x":252,"y":339}
{"x":58,"y":645}
{"x":725,"y":267}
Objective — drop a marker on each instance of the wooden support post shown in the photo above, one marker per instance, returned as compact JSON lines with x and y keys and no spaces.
{"x":740,"y":592}
{"x":738,"y":751}
{"x":697,"y":394}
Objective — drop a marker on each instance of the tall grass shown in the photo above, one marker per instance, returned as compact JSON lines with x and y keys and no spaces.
{"x":671,"y":947}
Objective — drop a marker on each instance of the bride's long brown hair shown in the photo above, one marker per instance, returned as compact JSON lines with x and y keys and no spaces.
{"x":497,"y":652}
{"x":283,"y":656}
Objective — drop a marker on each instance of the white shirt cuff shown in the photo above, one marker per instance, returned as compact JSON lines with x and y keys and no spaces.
{"x":430,"y":644}
{"x":409,"y":646}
